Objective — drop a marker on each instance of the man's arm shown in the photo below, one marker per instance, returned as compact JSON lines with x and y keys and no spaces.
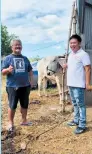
{"x":6,"y":67}
{"x":30,"y":73}
{"x":7,"y":71}
{"x":90,"y":87}
{"x":87,"y":66}
{"x":31,"y":78}
{"x":88,"y":75}
{"x":65,"y":66}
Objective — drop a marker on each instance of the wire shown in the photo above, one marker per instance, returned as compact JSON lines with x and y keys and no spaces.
{"x":47,"y":46}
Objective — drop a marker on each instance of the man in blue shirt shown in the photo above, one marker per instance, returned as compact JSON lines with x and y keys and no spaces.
{"x":17,"y":68}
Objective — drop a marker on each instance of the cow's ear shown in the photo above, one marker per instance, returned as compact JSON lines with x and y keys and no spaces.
{"x":61,"y":61}
{"x":59,"y":66}
{"x":63,"y":56}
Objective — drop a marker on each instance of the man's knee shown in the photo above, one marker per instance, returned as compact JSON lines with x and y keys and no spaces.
{"x":12,"y":106}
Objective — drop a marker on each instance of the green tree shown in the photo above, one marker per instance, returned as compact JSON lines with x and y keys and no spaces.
{"x":5,"y":41}
{"x":37,"y":58}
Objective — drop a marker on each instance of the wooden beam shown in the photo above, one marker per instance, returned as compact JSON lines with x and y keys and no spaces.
{"x":83,"y":41}
{"x":83,"y":15}
{"x":88,"y":4}
{"x":88,"y":50}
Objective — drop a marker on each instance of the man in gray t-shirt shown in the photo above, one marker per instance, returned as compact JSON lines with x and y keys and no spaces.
{"x":17,"y":69}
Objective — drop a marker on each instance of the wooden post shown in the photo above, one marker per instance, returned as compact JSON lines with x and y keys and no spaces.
{"x":63,"y":94}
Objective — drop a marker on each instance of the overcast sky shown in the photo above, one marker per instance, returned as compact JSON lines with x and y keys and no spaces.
{"x":39,"y":24}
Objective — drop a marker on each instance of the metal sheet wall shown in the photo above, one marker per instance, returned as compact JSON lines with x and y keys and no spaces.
{"x":85,"y":20}
{"x":88,"y":27}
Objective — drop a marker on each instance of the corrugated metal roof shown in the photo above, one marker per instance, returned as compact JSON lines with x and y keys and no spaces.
{"x":89,"y":1}
{"x":85,"y":20}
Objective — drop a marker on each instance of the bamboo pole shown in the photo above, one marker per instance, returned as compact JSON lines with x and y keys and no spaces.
{"x":70,"y":29}
{"x":74,"y":20}
{"x":63,"y":95}
{"x":66,"y":57}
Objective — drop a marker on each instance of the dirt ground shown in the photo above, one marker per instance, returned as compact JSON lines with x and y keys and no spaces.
{"x":49,"y":133}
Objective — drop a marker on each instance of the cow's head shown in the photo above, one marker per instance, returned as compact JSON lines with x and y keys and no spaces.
{"x":54,"y":66}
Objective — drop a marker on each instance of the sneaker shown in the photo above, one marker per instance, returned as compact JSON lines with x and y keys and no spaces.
{"x":79,"y":130}
{"x":72,"y":123}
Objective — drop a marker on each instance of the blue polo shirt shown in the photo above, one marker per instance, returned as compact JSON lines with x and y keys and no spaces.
{"x":20,"y":75}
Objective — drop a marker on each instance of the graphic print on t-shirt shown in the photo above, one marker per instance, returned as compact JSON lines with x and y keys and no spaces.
{"x":19,"y":65}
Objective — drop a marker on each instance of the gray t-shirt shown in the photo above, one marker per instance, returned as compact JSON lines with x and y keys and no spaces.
{"x":20,"y":75}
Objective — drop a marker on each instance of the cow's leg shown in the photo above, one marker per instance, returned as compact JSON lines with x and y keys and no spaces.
{"x":59,"y":89}
{"x":45,"y":86}
{"x":61,"y":94}
{"x":67,"y":98}
{"x":39,"y":85}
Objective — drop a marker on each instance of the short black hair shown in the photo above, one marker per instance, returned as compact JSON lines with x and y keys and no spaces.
{"x":76,"y":36}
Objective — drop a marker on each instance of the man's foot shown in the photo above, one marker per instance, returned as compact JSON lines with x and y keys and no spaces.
{"x":80,"y":130}
{"x":26,"y":123}
{"x":72,"y":123}
{"x":10,"y":128}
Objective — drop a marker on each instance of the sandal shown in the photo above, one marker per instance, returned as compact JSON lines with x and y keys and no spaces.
{"x":10,"y":129}
{"x":27,"y":124}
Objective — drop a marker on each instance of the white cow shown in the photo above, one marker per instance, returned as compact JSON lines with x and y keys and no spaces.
{"x":50,"y":68}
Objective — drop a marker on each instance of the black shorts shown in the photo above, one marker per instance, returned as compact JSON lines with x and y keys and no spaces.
{"x":21,"y":94}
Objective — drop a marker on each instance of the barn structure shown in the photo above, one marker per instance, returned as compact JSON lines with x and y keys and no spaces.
{"x":84,"y":28}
